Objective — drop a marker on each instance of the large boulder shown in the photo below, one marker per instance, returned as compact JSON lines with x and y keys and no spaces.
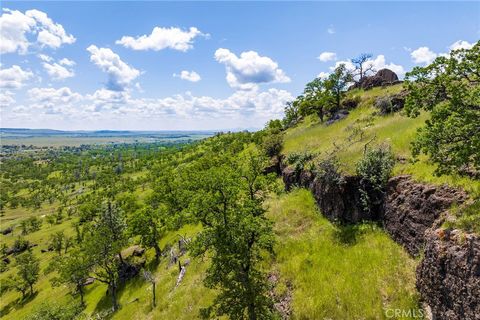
{"x":383,"y":77}
{"x":387,"y":75}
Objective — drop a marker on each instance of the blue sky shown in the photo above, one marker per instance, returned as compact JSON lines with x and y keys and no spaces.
{"x":85,"y":65}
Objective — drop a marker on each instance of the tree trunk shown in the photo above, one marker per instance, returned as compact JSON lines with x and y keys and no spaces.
{"x":121,"y":258}
{"x":154,"y":297}
{"x":320,"y":114}
{"x":80,"y":291}
{"x":31,"y":289}
{"x":158,"y":252}
{"x":113,"y":291}
{"x":251,"y":312}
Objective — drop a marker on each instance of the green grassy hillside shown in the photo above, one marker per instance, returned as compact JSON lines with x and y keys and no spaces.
{"x":340,"y":272}
{"x":337,"y":272}
{"x":364,"y":125}
{"x":321,"y":270}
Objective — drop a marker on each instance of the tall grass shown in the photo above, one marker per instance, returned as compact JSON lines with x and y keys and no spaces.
{"x":352,"y":272}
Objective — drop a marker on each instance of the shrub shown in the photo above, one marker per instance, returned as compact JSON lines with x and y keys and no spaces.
{"x":351,"y":103}
{"x":48,"y":311}
{"x":20,"y":245}
{"x":374,"y":170}
{"x":391,"y":103}
{"x":272,"y":144}
{"x":299,"y":160}
{"x":328,"y":171}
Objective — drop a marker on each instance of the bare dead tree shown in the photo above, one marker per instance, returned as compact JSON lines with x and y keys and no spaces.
{"x":363,"y":65}
{"x":151,"y":279}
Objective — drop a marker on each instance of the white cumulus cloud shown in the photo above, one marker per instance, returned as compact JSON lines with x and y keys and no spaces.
{"x":191,"y":76}
{"x":461,"y":44}
{"x":15,"y":26}
{"x":119,"y":73}
{"x":423,"y":55}
{"x":53,"y":101}
{"x":327,"y":56}
{"x":14,"y":77}
{"x":250,"y":69}
{"x":67,"y":62}
{"x":162,"y":38}
{"x":6,"y":98}
{"x":323,"y":75}
{"x":57,"y":72}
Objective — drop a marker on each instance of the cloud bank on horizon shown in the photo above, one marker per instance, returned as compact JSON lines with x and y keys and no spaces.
{"x":39,"y":86}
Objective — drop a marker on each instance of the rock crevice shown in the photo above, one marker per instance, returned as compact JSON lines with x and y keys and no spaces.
{"x":448,"y":276}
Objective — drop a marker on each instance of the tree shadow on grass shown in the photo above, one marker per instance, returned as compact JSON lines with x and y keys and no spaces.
{"x":104,"y":305}
{"x":350,"y":234}
{"x":17,"y":304}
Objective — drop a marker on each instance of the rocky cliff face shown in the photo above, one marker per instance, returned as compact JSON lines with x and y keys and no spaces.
{"x":448,"y":276}
{"x":411,"y":208}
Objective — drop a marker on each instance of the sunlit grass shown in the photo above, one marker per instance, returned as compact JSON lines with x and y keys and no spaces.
{"x":354,"y":272}
{"x":396,"y":129}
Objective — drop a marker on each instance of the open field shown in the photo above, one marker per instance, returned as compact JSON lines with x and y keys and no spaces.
{"x":51,"y":138}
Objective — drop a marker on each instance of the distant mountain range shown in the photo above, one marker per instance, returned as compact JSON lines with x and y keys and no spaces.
{"x":23,"y":132}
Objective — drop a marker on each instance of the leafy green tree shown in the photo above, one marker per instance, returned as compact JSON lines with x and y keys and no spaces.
{"x":28,"y":269}
{"x":274,"y":126}
{"x":150,"y":225}
{"x":314,"y":99}
{"x":57,"y":241}
{"x":227,"y":200}
{"x":104,"y":244}
{"x":450,"y":89}
{"x":292,"y":113}
{"x":336,"y":86}
{"x":321,"y":96}
{"x":73,"y":270}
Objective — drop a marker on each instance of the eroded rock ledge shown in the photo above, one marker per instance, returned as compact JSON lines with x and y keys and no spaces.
{"x":448,"y":277}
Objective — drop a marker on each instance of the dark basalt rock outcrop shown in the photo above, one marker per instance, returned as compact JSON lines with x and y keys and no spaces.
{"x":339,"y":115}
{"x":410,"y":208}
{"x":293,"y":178}
{"x":391,"y":103}
{"x":275,"y":166}
{"x":383,"y":77}
{"x":448,"y":276}
{"x":340,"y":201}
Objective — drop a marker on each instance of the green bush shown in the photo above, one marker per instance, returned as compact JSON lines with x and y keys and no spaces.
{"x":272,"y":144}
{"x":374,"y":170}
{"x":328,"y":171}
{"x":299,"y":160}
{"x":54,"y":311}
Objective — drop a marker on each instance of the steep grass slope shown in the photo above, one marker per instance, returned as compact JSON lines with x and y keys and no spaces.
{"x":333,"y":272}
{"x":364,"y":125}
